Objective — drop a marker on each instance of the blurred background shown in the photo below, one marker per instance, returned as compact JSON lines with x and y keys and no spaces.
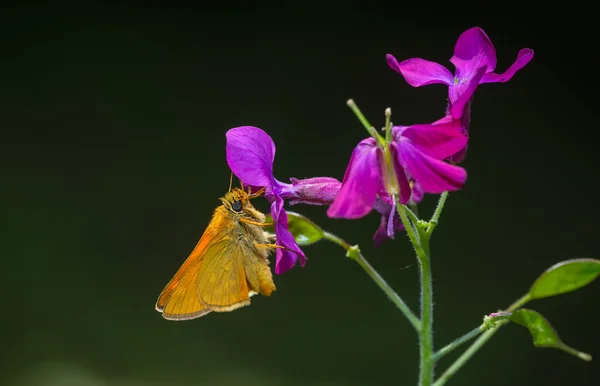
{"x":112,"y":157}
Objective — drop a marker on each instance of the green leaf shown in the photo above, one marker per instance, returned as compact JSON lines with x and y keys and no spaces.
{"x":543,"y":333}
{"x":564,"y":277}
{"x":305,"y":231}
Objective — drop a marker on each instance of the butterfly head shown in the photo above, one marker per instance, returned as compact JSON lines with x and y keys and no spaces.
{"x":238,"y":201}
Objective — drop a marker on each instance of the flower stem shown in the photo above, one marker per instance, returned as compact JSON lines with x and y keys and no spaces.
{"x":420,"y":242}
{"x":438,"y":212}
{"x":464,"y":358}
{"x":354,"y":253}
{"x":458,"y":342}
{"x":410,"y":229}
{"x":426,"y":335}
{"x":388,"y":125}
{"x":370,"y":129}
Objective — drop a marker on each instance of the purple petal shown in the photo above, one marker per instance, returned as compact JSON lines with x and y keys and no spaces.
{"x":433,"y":175}
{"x":250,"y":154}
{"x":362,"y":181}
{"x":465,"y":121}
{"x":390,"y":224}
{"x":460,"y":101}
{"x":417,"y":193}
{"x":473,"y":50}
{"x":285,"y":258}
{"x":401,"y":176}
{"x":436,"y":140}
{"x":420,"y":72}
{"x":314,"y":191}
{"x":382,"y":234}
{"x":525,"y":55}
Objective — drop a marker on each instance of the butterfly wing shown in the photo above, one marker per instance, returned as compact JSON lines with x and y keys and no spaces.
{"x":258,"y":273}
{"x":179,"y":299}
{"x":222,"y":284}
{"x":232,"y":271}
{"x":220,"y":275}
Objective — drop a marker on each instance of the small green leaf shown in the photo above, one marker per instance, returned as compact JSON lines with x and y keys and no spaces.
{"x":564,"y":277}
{"x":305,"y":231}
{"x":543,"y":333}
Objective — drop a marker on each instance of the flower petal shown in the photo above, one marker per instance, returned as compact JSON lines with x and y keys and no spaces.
{"x":313,"y":191}
{"x":436,"y":140}
{"x":420,"y":72}
{"x":361,"y":183}
{"x":460,"y":101}
{"x":433,"y":175}
{"x":250,"y":153}
{"x":382,"y":234}
{"x":390,"y":224}
{"x":473,"y":50}
{"x":417,"y":193}
{"x":401,"y":177}
{"x":525,"y":55}
{"x":285,"y":257}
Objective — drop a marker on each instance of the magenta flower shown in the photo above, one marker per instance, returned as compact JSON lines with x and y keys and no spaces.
{"x":416,"y":152}
{"x":250,"y":155}
{"x":473,"y":52}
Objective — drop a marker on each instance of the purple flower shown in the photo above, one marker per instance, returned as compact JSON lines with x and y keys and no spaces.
{"x":250,"y":155}
{"x":416,"y":154}
{"x":473,"y":52}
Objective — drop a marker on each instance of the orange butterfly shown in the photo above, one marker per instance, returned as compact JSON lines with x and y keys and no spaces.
{"x":228,"y":265}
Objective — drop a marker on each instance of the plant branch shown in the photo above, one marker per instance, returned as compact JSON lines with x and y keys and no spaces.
{"x":464,"y":358}
{"x":355,"y":254}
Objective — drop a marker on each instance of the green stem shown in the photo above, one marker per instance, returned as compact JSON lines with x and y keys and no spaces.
{"x":411,"y":215}
{"x":410,"y":230}
{"x":458,"y":342}
{"x":464,"y":358}
{"x":420,"y":242}
{"x":354,"y":253}
{"x":426,"y":335}
{"x":438,"y":212}
{"x":370,"y":129}
{"x":388,"y":125}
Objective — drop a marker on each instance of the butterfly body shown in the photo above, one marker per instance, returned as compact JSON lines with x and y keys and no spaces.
{"x":227,"y":266}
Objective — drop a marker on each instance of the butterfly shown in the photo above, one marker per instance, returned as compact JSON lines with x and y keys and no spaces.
{"x":228,"y":265}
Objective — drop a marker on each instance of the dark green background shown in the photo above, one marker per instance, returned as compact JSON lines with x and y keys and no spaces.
{"x":113,"y":122}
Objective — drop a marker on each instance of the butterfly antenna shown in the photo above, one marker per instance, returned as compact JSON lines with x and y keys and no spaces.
{"x":230,"y":180}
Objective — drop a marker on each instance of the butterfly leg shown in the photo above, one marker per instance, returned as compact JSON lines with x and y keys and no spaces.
{"x":270,"y":246}
{"x":260,"y":224}
{"x":274,"y":246}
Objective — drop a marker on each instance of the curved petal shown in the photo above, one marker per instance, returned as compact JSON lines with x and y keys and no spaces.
{"x":465,"y":121}
{"x":287,"y":256}
{"x":525,"y":55}
{"x":250,"y":154}
{"x":312,"y":191}
{"x":404,"y":185}
{"x":362,"y":181}
{"x":383,"y":232}
{"x":460,"y":98}
{"x":433,"y":175}
{"x":436,"y":140}
{"x":390,"y":228}
{"x":417,"y":192}
{"x":420,"y":72}
{"x":473,"y":50}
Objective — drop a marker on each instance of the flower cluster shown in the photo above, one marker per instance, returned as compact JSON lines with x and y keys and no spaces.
{"x":382,"y":172}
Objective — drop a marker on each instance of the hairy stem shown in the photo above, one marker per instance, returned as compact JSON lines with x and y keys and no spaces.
{"x":473,"y":348}
{"x":355,"y":254}
{"x":457,"y":343}
{"x":420,"y":242}
{"x":438,"y":212}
